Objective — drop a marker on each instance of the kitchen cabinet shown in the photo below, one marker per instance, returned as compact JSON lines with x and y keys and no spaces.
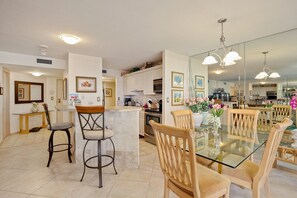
{"x":141,"y":122}
{"x":142,"y":81}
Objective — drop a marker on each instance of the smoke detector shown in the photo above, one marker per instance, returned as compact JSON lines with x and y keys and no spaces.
{"x":43,"y":49}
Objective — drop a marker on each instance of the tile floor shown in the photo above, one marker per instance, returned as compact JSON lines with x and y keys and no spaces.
{"x":23,"y":174}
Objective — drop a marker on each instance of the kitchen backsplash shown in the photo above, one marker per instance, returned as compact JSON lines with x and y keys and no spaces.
{"x":142,"y":99}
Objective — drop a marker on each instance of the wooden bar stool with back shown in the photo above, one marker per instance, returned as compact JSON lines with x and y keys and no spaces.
{"x":91,"y":119}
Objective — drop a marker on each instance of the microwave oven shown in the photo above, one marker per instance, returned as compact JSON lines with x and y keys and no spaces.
{"x":158,"y":85}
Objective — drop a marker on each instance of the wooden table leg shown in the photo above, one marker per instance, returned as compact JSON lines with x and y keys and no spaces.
{"x":21,"y":124}
{"x":27,"y":124}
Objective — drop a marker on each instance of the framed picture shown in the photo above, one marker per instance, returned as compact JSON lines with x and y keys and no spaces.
{"x":177,"y":97}
{"x":65,"y":89}
{"x":21,"y":93}
{"x":200,"y":143}
{"x":108,"y":92}
{"x":177,"y":80}
{"x":199,"y":94}
{"x":85,"y":84}
{"x":199,"y":82}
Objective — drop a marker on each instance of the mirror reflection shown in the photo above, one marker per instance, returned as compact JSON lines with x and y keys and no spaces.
{"x":237,"y":83}
{"x":27,"y":92}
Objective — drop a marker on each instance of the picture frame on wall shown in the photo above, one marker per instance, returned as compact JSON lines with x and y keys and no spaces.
{"x":108,"y":92}
{"x":199,"y":82}
{"x":65,"y":89}
{"x":177,"y":80}
{"x":199,"y":94}
{"x":85,"y":84}
{"x":177,"y":97}
{"x":21,"y":93}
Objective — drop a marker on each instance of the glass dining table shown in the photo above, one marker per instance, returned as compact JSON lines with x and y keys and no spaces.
{"x":225,"y":149}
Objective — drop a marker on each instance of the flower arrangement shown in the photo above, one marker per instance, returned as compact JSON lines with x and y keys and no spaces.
{"x":216,"y":112}
{"x":197,"y":105}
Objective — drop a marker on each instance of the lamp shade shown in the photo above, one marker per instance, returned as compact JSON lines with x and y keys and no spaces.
{"x":261,"y":75}
{"x":274,"y":75}
{"x":227,"y":62}
{"x":232,"y":55}
{"x":209,"y":60}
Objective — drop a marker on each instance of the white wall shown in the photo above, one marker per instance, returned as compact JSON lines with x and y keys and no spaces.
{"x":119,"y":84}
{"x":88,"y":66}
{"x":1,"y":106}
{"x":196,"y":68}
{"x":28,"y":60}
{"x":49,"y":83}
{"x":178,"y":63}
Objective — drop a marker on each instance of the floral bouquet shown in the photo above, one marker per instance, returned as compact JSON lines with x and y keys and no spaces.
{"x":197,"y":105}
{"x":216,"y":112}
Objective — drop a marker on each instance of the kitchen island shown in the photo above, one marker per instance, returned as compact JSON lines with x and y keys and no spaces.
{"x":124,"y":122}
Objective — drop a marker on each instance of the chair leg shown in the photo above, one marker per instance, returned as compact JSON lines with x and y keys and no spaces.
{"x":113,"y":157}
{"x":266,"y":188}
{"x":69,"y":143}
{"x":50,"y":148}
{"x":166,"y":189}
{"x":84,"y":161}
{"x":99,"y":164}
{"x":256,"y":191}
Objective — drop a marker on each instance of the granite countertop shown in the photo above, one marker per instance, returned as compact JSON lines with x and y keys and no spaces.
{"x":108,"y":109}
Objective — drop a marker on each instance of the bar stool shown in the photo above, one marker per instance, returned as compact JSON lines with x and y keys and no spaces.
{"x":65,"y":126}
{"x":91,"y":119}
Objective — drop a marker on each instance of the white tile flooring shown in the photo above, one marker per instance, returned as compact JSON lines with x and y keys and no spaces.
{"x":23,"y":174}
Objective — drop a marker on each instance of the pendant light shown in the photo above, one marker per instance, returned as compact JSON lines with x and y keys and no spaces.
{"x":266,"y":71}
{"x":230,"y":56}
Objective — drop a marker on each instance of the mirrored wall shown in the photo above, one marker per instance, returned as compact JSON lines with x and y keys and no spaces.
{"x":237,"y":82}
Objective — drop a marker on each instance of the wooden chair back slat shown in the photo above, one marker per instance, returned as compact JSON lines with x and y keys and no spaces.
{"x":280,"y":112}
{"x":183,"y":119}
{"x":264,"y":119}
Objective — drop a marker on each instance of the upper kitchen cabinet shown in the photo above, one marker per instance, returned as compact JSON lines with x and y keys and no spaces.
{"x":142,"y":81}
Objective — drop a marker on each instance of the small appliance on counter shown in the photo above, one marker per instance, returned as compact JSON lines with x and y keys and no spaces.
{"x":127,"y":102}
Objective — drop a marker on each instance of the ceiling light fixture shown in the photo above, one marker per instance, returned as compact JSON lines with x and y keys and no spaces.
{"x":218,"y":72}
{"x":230,"y":56}
{"x":266,"y":71}
{"x":69,"y":39}
{"x":36,"y":74}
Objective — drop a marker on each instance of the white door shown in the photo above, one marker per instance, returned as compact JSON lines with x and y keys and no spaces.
{"x":6,"y":104}
{"x":59,"y":99}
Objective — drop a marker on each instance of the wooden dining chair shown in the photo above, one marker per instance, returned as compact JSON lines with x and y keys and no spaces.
{"x":242,"y":123}
{"x":253,"y":176}
{"x":279,"y":112}
{"x":182,"y":175}
{"x":264,"y":122}
{"x":183,"y":119}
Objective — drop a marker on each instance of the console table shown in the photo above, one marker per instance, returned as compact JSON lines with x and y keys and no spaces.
{"x":26,"y":116}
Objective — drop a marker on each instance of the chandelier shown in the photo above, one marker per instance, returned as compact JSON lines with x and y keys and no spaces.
{"x":230,"y":56}
{"x":266,"y":71}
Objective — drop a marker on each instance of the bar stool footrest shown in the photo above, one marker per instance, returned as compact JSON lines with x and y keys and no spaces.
{"x":57,"y":145}
{"x":96,"y":167}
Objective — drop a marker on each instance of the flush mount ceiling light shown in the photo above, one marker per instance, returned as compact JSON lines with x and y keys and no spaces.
{"x":229,"y":57}
{"x":36,"y":74}
{"x":218,"y":72}
{"x":266,"y":71}
{"x":69,"y":39}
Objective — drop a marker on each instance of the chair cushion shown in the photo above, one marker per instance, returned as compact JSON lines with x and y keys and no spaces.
{"x":210,"y":182}
{"x":244,"y":172}
{"x":61,"y":126}
{"x":97,"y":134}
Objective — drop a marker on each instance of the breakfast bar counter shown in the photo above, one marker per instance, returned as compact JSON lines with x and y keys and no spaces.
{"x":124,"y":122}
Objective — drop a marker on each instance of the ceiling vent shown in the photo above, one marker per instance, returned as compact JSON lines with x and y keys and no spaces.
{"x":104,"y":71}
{"x":44,"y":61}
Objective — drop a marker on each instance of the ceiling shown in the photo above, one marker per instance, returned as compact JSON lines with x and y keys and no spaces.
{"x":131,"y":32}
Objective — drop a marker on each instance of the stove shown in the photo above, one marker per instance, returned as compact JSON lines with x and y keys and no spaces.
{"x":151,"y":114}
{"x":154,"y":110}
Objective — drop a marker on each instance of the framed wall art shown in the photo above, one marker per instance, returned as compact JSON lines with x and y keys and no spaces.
{"x":65,"y":89}
{"x":108,"y":92}
{"x":199,"y":82}
{"x":177,"y":97}
{"x":21,"y":93}
{"x":85,"y":84}
{"x":199,"y":94}
{"x":177,"y":80}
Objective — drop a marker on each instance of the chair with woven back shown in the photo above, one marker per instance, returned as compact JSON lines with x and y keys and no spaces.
{"x":279,"y":112}
{"x":182,"y":175}
{"x":254,"y":176}
{"x":264,"y":123}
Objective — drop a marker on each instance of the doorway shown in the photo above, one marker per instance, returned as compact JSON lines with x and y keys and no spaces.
{"x":6,"y":104}
{"x":59,"y":100}
{"x":109,"y":88}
